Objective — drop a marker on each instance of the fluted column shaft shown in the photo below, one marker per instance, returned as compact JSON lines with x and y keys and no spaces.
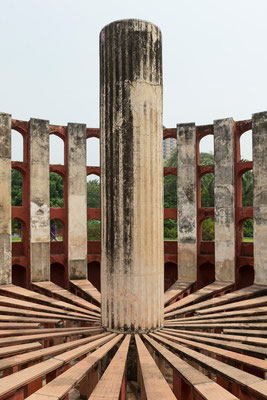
{"x":131,"y":176}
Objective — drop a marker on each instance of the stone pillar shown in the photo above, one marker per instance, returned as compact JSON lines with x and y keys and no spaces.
{"x":131,"y":176}
{"x":39,"y":200}
{"x":187,"y":202}
{"x":5,"y":199}
{"x":224,"y":200}
{"x":259,"y":135}
{"x":77,"y":202}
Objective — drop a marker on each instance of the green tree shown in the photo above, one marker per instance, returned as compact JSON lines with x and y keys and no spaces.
{"x":247,"y":189}
{"x":207,"y":181}
{"x":208,"y":234}
{"x":93,"y":230}
{"x":170,"y":182}
{"x":56,"y":190}
{"x":170,"y":229}
{"x":93,"y":194}
{"x":170,"y":191}
{"x":206,"y":158}
{"x":172,"y":160}
{"x":16,"y":188}
{"x":207,"y":190}
{"x":248,"y":228}
{"x":16,"y":230}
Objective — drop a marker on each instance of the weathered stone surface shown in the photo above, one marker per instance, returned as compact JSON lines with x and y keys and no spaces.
{"x":187,"y":202}
{"x":224,"y":200}
{"x":39,"y":200}
{"x":259,"y":135}
{"x":131,"y":176}
{"x":5,"y":199}
{"x":77,"y":202}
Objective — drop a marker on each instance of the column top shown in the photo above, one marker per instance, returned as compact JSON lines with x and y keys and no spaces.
{"x":130,"y":51}
{"x":131,"y":21}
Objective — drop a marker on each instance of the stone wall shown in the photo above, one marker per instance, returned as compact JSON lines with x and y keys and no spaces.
{"x":5,"y":198}
{"x":39,"y":200}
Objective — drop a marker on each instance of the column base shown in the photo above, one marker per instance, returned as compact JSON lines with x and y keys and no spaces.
{"x":129,"y":331}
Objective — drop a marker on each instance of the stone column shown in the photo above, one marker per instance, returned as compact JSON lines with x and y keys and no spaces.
{"x":224,"y":200}
{"x":39,"y":200}
{"x":187,"y":202}
{"x":77,"y":202}
{"x":131,"y":176}
{"x":5,"y":199}
{"x":259,"y":135}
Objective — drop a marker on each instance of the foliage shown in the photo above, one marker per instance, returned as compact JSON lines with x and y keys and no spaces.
{"x":16,"y":188}
{"x":207,"y":181}
{"x":248,"y":228}
{"x":170,"y":191}
{"x":58,"y":223}
{"x":93,"y":230}
{"x":207,"y":190}
{"x":93,"y":194}
{"x":208,"y":230}
{"x":172,"y":160}
{"x":170,"y":182}
{"x":170,"y":229}
{"x":206,"y":159}
{"x":16,"y":229}
{"x":56,"y":190}
{"x":247,"y":189}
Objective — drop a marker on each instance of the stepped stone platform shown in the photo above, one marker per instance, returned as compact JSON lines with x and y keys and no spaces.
{"x":219,"y":353}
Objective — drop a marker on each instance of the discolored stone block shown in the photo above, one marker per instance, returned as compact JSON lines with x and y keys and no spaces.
{"x":39,"y":200}
{"x":224,"y":200}
{"x":77,"y":202}
{"x":5,"y":199}
{"x":186,"y":202}
{"x":259,"y":137}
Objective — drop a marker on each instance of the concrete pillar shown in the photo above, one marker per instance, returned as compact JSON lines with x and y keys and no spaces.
{"x":39,"y":200}
{"x":187,"y":202}
{"x":131,"y":176}
{"x":259,"y":136}
{"x":5,"y":199}
{"x":224,"y":200}
{"x":77,"y":202}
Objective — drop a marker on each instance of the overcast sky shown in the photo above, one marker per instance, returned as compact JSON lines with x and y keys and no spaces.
{"x":214,"y":58}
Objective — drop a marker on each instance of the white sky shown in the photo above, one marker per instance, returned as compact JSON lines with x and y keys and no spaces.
{"x":214,"y":58}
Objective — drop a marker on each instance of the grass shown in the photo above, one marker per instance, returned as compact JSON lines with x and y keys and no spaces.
{"x":245,"y":239}
{"x":248,"y":239}
{"x":16,"y":239}
{"x":60,"y":238}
